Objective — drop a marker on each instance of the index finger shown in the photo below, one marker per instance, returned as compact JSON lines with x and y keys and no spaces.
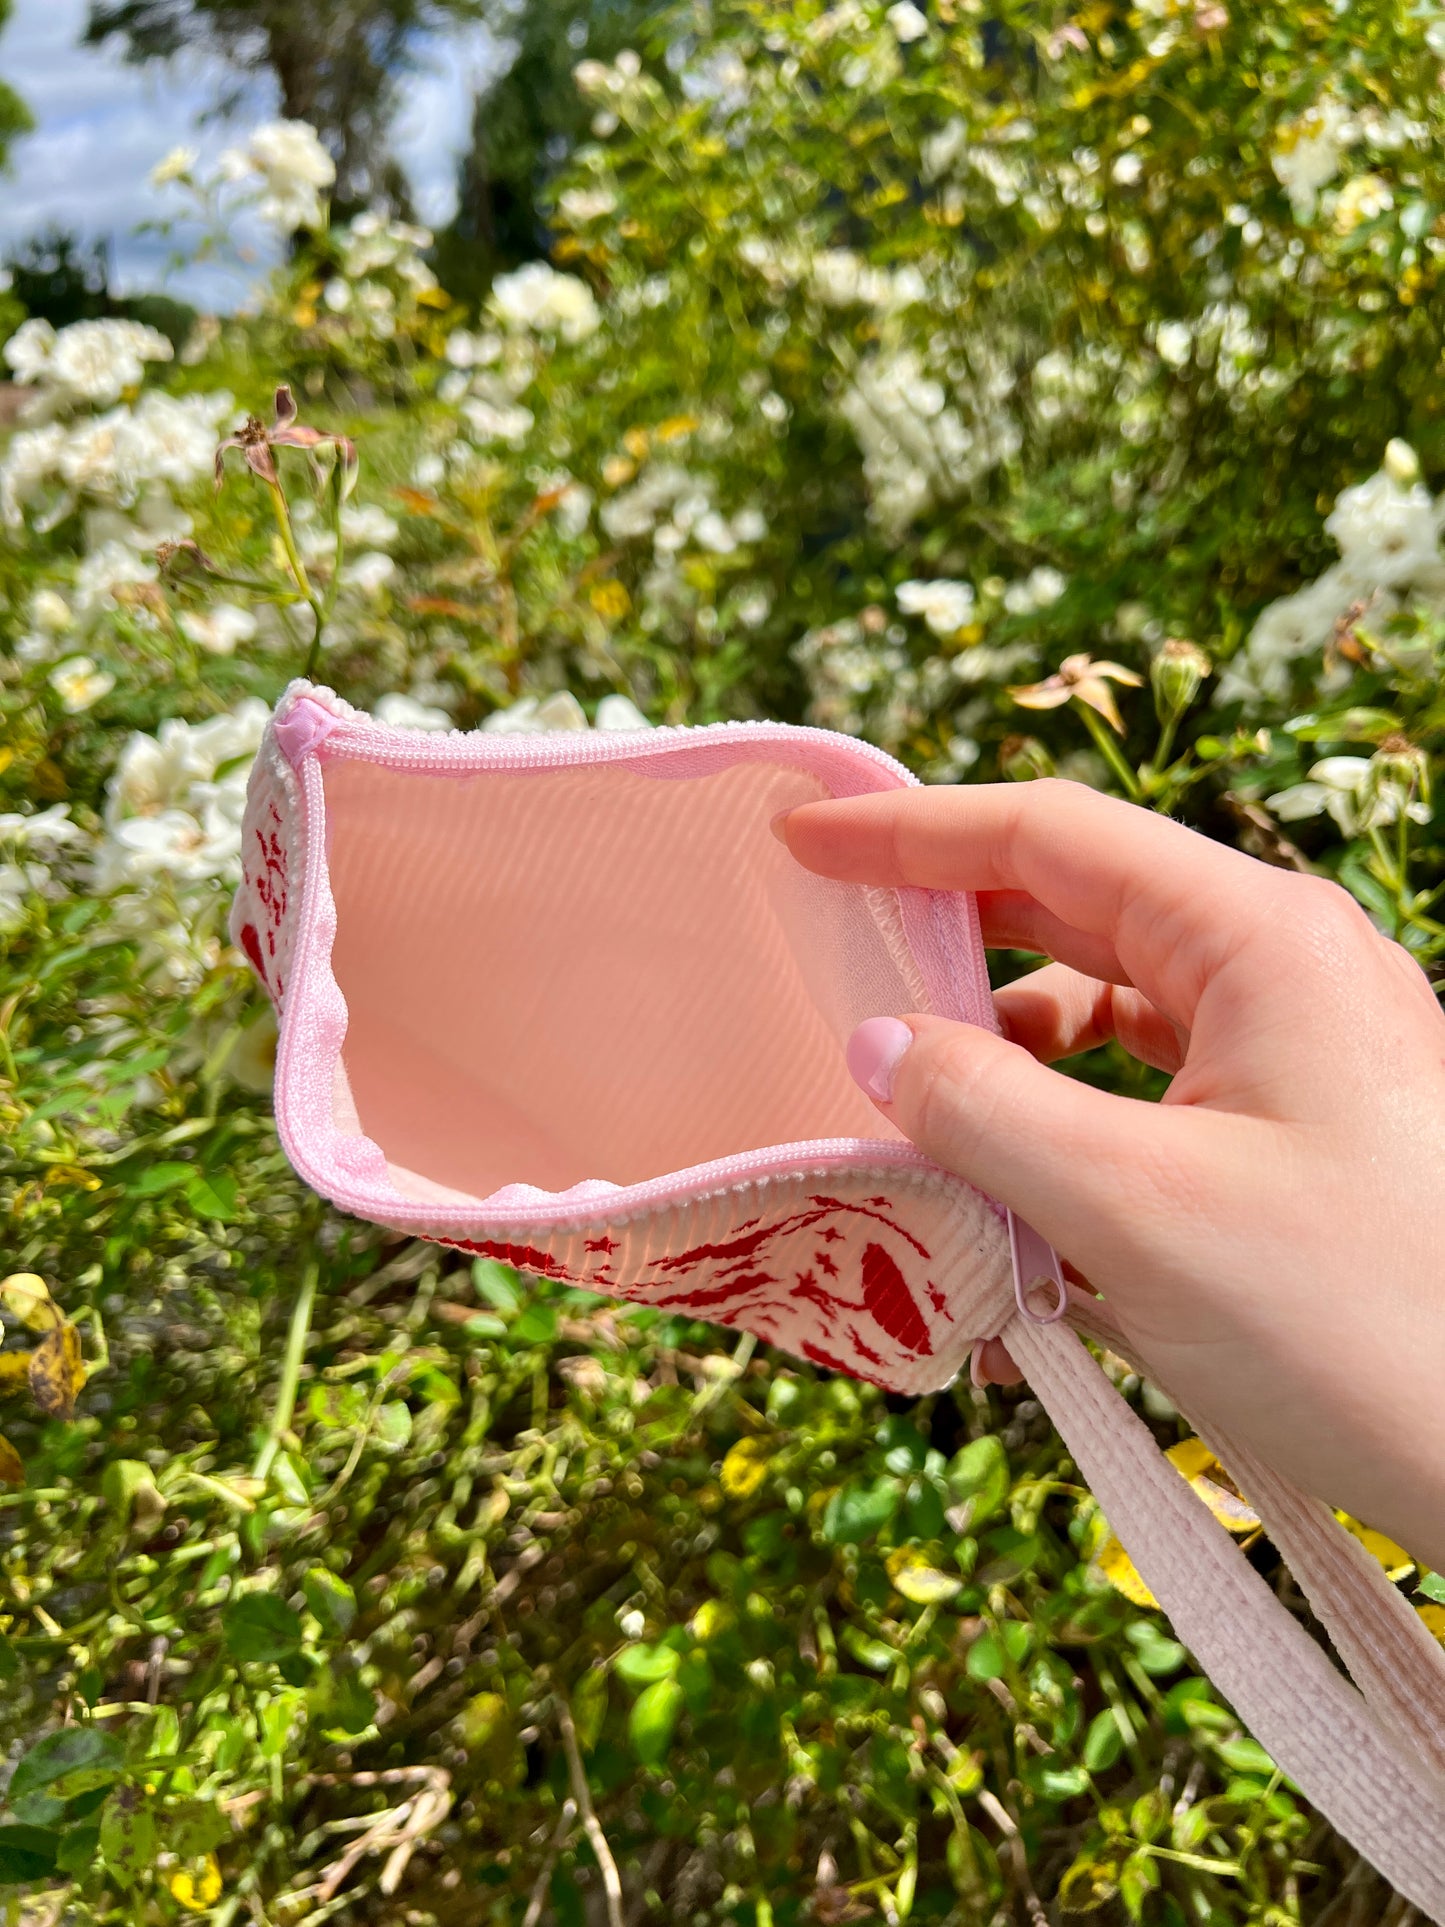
{"x":1171,"y":902}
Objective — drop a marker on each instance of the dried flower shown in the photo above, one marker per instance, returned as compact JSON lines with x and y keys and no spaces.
{"x":256,"y":441}
{"x":1080,"y":679}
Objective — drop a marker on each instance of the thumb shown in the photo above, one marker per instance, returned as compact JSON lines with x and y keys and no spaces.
{"x":1080,"y":1165}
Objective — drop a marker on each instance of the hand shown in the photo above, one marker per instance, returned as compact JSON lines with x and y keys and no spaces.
{"x":1271,"y":1237}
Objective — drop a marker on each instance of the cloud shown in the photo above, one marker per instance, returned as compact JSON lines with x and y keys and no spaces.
{"x":101,"y":126}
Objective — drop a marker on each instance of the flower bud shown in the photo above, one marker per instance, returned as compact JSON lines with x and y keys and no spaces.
{"x":1021,"y":758}
{"x":1178,"y":668}
{"x":1402,"y":464}
{"x":1398,"y":774}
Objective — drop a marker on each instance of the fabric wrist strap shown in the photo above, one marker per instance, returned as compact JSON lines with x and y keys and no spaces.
{"x":1369,"y":1757}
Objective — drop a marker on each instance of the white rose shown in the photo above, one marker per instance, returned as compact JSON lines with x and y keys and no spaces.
{"x":1386,"y":532}
{"x":369,"y":572}
{"x":368,"y":525}
{"x":80,"y":682}
{"x":945,"y":606}
{"x":405,"y":712}
{"x":29,"y":349}
{"x":907,"y":21}
{"x":219,"y":630}
{"x":175,"y":167}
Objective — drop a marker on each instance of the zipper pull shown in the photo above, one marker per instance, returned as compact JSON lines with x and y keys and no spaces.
{"x":1035,"y":1263}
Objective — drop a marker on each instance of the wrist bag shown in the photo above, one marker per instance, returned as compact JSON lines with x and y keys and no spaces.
{"x":564,"y":1001}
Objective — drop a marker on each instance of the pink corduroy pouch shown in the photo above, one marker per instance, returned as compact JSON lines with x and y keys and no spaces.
{"x":563,"y":1000}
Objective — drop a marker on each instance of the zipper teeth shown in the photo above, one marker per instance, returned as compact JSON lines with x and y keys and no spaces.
{"x":360,"y":737}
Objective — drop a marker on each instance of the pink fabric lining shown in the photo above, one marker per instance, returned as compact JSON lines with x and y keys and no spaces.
{"x":438,"y":915}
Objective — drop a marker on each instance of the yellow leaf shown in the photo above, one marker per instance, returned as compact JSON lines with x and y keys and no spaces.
{"x":1191,"y":1457}
{"x":635,"y":441}
{"x":712,"y":1617}
{"x":1394,"y":1558}
{"x":1194,"y":1461}
{"x":610,"y":600}
{"x":1207,"y":1476}
{"x":26,"y":1296}
{"x":12,"y":1472}
{"x":675,"y":427}
{"x":197,"y":1887}
{"x":745,"y":1468}
{"x":433,"y":298}
{"x":57,"y":1372}
{"x":72,"y":1174}
{"x":14,"y":1370}
{"x":1122,"y":1574}
{"x":919,"y":1581}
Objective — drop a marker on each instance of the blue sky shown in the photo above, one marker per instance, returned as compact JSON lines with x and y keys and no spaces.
{"x":102,"y":126}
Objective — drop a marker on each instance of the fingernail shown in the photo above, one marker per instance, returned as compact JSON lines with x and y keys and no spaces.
{"x":776,"y":826}
{"x":875,"y":1050}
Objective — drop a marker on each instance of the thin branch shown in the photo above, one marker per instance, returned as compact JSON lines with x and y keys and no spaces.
{"x":565,"y":1821}
{"x":582,"y":1795}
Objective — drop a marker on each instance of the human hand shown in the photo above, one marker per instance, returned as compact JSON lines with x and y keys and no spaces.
{"x":1270,"y":1237}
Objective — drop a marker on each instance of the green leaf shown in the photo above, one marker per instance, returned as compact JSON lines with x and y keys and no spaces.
{"x":9,"y":1659}
{"x":194,"y":1828}
{"x":75,"y":1760}
{"x":978,"y":1477}
{"x":856,"y":1511}
{"x":1158,"y":1654}
{"x":1138,"y":1877}
{"x":990,"y":1654}
{"x":1432,"y":1584}
{"x":904,"y":1446}
{"x":1062,"y":1783}
{"x":1245,"y":1755}
{"x":330,"y":1599}
{"x":128,"y":1835}
{"x":27,"y":1853}
{"x":261,"y":1626}
{"x":589,"y":1706}
{"x":497,"y":1284}
{"x":537,"y":1325}
{"x":393,"y":1424}
{"x":78,"y":1848}
{"x":213,"y":1197}
{"x":1103,"y":1742}
{"x":1087,"y":1886}
{"x":1344,"y":726}
{"x":653,"y":1721}
{"x":161,"y":1177}
{"x":641,"y":1665}
{"x":340,"y":1704}
{"x":875,"y":1654}
{"x":288,"y":1481}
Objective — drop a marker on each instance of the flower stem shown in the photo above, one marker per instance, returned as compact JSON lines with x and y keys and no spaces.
{"x":1111,"y":753}
{"x":296,"y":1337}
{"x":298,"y":572}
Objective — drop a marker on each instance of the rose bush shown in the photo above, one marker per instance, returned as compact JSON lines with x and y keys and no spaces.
{"x":1022,"y":395}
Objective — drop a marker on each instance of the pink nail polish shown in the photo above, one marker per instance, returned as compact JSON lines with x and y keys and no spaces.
{"x":875,"y":1050}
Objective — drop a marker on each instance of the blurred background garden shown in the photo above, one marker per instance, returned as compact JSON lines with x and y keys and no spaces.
{"x":1024,"y":387}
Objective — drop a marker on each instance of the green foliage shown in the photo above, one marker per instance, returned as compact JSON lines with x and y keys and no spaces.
{"x":14,"y":115}
{"x":885,"y":371}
